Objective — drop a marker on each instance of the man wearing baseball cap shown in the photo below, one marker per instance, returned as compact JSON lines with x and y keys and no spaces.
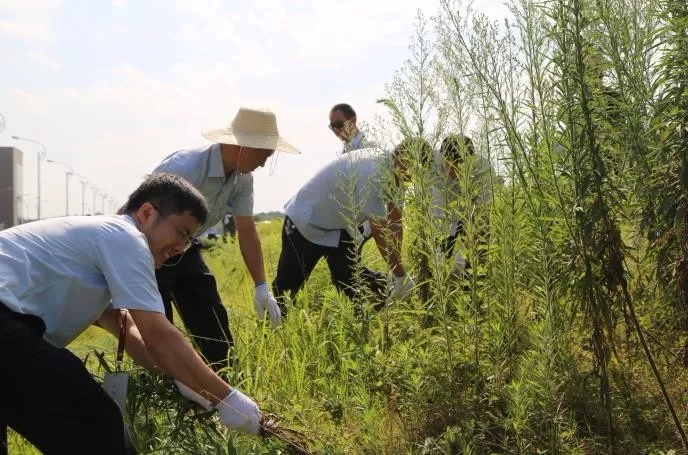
{"x":221,"y":171}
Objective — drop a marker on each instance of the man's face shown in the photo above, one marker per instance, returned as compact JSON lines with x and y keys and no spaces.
{"x":452,"y":169}
{"x":343,"y":128}
{"x":167,"y":236}
{"x":249,"y":159}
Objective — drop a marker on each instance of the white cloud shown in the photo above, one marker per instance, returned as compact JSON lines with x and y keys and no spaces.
{"x":27,"y":101}
{"x":315,"y":34}
{"x":32,"y":32}
{"x":114,"y":124}
{"x":28,"y":20}
{"x":42,"y":58}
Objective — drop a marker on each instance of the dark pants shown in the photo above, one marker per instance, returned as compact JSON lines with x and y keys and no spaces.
{"x":48,"y":396}
{"x":447,"y":245}
{"x":229,"y":228}
{"x":299,"y":256}
{"x":188,"y":283}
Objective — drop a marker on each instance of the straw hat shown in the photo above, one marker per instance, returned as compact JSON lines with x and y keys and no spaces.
{"x":255,"y":128}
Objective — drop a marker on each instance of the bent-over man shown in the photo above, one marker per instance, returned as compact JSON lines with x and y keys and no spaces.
{"x":59,"y":276}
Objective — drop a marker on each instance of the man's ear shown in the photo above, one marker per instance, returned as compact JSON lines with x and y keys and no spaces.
{"x":145,"y":212}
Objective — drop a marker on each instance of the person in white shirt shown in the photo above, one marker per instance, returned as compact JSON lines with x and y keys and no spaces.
{"x":59,"y":276}
{"x":321,"y":218}
{"x":458,"y":163}
{"x":343,"y":125}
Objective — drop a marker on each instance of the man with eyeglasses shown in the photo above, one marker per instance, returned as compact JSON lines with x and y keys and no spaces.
{"x":222,"y":172}
{"x":58,"y":277}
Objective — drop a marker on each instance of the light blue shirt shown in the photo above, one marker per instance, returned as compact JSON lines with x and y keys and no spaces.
{"x":202,"y":167}
{"x":342,"y":195}
{"x":68,"y":270}
{"x":451,"y":203}
{"x":357,"y":143}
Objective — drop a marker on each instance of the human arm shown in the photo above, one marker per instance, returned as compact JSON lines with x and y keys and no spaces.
{"x":388,"y":235}
{"x":251,"y":251}
{"x":250,"y":247}
{"x":132,"y":286}
{"x":174,"y":355}
{"x":111,"y":321}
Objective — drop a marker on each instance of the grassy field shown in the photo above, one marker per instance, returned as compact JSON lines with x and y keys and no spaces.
{"x":398,"y":381}
{"x":571,"y":336}
{"x":287,"y":370}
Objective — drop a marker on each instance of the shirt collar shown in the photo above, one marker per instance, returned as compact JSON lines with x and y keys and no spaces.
{"x":355,"y":142}
{"x":217,"y":168}
{"x":129,"y":219}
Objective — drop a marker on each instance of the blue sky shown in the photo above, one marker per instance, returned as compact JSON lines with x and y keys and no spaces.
{"x":112,"y":87}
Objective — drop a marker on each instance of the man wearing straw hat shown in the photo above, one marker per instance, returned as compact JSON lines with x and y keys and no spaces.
{"x":222,"y":173}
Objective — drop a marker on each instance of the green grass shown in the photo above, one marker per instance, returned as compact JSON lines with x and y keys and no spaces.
{"x":307,"y":371}
{"x":386,"y":384}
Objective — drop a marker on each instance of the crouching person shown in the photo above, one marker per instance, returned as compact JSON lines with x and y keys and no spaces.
{"x":59,"y":276}
{"x":321,"y":222}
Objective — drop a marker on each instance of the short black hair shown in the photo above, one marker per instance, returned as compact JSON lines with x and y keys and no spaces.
{"x":455,"y":147}
{"x":171,"y":195}
{"x":415,"y":147}
{"x":345,"y":109}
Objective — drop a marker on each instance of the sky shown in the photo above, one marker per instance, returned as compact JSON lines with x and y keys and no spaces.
{"x":112,"y":87}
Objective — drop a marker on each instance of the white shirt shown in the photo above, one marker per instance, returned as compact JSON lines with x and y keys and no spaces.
{"x":68,"y":270}
{"x":343,"y":194}
{"x":447,"y":209}
{"x":357,"y":143}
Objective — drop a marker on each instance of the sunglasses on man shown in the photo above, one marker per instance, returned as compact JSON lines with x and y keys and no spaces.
{"x":336,"y":125}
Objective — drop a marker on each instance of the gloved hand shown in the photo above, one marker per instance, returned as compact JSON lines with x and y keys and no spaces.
{"x":402,"y":287}
{"x":239,"y":412}
{"x":264,"y":299}
{"x":193,"y":396}
{"x":365,"y":229}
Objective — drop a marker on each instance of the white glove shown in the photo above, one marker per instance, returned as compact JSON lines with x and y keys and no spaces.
{"x":264,"y":298}
{"x":403,"y":285}
{"x":193,"y":396}
{"x":367,"y":230}
{"x":239,"y":412}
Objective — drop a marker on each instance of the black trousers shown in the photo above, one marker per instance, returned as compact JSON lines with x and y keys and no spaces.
{"x":186,"y":282}
{"x":48,"y":396}
{"x":299,"y":256}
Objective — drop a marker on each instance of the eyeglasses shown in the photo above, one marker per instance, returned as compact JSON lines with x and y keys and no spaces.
{"x":182,"y":236}
{"x":336,"y":125}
